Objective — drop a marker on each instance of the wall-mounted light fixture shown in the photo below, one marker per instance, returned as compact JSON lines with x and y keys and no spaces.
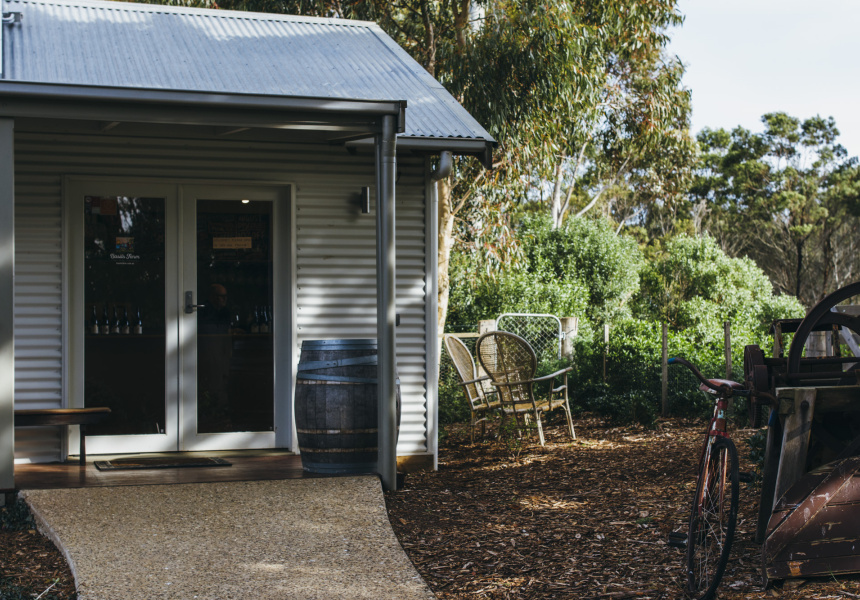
{"x":245,"y":201}
{"x":365,"y":201}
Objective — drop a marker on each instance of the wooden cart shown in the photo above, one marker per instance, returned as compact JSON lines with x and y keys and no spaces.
{"x":810,"y":503}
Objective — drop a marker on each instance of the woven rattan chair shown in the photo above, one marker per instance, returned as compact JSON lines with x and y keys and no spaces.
{"x":481,"y":396}
{"x":511,"y":364}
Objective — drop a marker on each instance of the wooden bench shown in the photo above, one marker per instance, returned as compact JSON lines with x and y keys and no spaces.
{"x":43,"y":417}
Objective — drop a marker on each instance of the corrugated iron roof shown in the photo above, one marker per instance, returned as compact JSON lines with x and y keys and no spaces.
{"x":127,"y":45}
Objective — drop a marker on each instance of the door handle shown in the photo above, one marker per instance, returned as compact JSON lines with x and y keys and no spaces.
{"x":190,"y":307}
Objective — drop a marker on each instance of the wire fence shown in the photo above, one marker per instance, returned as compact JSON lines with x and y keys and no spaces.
{"x":542,"y":332}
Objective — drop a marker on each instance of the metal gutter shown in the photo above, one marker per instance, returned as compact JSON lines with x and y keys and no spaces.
{"x":481,"y":148}
{"x":25,"y":99}
{"x":446,"y":163}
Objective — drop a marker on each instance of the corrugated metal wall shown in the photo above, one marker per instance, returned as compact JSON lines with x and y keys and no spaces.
{"x":335,"y":250}
{"x":38,"y":308}
{"x":336,"y":280}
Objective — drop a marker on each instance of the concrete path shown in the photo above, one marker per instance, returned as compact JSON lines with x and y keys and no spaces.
{"x":300,"y":539}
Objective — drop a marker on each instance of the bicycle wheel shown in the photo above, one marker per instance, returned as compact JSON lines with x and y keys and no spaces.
{"x":712,"y":520}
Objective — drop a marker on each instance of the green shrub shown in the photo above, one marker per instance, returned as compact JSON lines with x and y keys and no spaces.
{"x":584,"y":269}
{"x":619,"y":407}
{"x":453,"y":406}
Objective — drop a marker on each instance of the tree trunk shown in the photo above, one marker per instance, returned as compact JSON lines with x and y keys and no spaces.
{"x":446,"y":242}
{"x":556,"y":208}
{"x":797,"y":274}
{"x":429,"y":39}
{"x":461,"y":22}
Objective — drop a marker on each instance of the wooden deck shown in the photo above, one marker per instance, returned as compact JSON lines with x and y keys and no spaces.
{"x":246,"y":466}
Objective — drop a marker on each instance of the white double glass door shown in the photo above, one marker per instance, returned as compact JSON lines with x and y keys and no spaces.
{"x":174,"y":312}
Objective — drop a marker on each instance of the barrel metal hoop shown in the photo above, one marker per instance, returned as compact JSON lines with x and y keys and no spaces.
{"x":335,"y":378}
{"x":336,"y":431}
{"x":343,"y":362}
{"x":338,"y":450}
{"x":345,"y":344}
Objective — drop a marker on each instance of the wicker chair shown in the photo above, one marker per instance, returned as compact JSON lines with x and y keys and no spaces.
{"x":482,"y":398}
{"x":511,"y":364}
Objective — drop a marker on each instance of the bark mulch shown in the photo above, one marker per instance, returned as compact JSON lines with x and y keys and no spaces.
{"x":30,"y":564}
{"x":583,"y":520}
{"x":507,"y":519}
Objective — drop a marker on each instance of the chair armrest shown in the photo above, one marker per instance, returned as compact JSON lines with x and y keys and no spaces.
{"x":510,"y":383}
{"x":484,"y":378}
{"x":551,"y":375}
{"x":544,"y":378}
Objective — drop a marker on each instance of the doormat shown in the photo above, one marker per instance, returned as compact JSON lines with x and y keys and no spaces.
{"x":159,"y":463}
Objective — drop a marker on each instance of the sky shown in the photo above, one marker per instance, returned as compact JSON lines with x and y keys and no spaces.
{"x":745,"y":58}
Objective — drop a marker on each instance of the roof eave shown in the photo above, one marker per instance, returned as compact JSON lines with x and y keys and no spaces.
{"x":479,"y":147}
{"x":28,"y":99}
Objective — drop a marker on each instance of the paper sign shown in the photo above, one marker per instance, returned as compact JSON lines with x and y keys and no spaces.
{"x":125,"y":244}
{"x":231,"y":243}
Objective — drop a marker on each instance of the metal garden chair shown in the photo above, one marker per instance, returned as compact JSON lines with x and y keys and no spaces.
{"x":481,"y":399}
{"x":511,"y":364}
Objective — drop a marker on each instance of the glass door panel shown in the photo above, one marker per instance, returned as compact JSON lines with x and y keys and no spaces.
{"x":124,"y":292}
{"x":235,"y":352}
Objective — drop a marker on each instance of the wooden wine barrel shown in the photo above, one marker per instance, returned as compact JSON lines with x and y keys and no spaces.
{"x":336,"y":406}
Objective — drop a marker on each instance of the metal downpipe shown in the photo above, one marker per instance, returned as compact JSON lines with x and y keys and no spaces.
{"x":386,"y":172}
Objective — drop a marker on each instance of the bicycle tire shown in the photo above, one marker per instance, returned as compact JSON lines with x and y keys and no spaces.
{"x":712,"y":520}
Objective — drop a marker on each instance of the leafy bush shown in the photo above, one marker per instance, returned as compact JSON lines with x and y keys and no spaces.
{"x":584,"y":269}
{"x":627,"y":406}
{"x":453,"y":406}
{"x":581,"y":269}
{"x":693,"y":285}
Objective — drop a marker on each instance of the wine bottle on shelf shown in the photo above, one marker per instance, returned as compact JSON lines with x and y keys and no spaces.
{"x":255,"y":321}
{"x":264,"y":319}
{"x":114,"y":323}
{"x":138,"y":324}
{"x":124,"y":326}
{"x":94,"y":323}
{"x":104,"y":326}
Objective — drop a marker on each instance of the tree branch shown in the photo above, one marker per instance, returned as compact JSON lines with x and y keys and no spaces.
{"x":612,"y":182}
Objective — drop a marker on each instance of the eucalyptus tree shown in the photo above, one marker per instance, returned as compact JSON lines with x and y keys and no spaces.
{"x":584,"y":101}
{"x":787,"y":197}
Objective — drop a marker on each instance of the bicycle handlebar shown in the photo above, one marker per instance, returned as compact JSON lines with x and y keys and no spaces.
{"x":723,"y":390}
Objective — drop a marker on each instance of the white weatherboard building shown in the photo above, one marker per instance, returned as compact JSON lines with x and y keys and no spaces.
{"x":156,"y":159}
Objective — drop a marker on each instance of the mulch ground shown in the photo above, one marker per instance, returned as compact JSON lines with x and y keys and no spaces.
{"x":577,"y":520}
{"x":30,"y":565}
{"x":508,"y":519}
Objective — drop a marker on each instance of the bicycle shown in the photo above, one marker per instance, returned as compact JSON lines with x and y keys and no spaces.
{"x":714,"y":512}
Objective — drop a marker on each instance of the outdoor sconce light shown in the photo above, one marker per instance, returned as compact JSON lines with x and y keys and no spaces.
{"x":365,"y":201}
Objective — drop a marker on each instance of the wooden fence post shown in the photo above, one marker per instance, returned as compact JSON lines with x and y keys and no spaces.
{"x":605,"y":348}
{"x":486,"y":326}
{"x":569,"y":329}
{"x":665,"y":372}
{"x":727,"y":328}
